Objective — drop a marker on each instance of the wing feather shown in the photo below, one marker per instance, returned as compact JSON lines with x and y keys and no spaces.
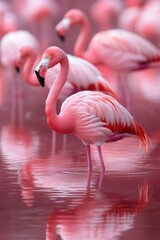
{"x":124,"y":48}
{"x":99,"y":116}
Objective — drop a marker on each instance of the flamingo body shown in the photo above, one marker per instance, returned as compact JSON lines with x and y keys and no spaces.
{"x":105,"y":12}
{"x":93,"y":117}
{"x":97,"y":118}
{"x":122,"y":50}
{"x":19,"y":49}
{"x":12,"y":44}
{"x":82,"y":75}
{"x":39,"y":10}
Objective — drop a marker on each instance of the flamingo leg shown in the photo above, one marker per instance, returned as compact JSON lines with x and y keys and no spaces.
{"x":88,"y":182}
{"x":101,"y":159}
{"x":88,"y":150}
{"x":100,"y":181}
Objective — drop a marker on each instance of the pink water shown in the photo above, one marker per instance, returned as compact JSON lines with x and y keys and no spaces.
{"x":45,"y":191}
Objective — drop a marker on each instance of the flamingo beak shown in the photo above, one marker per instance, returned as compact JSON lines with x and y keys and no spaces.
{"x":41,"y":70}
{"x":40,"y":79}
{"x":61,"y":37}
{"x":62,"y":27}
{"x":17,"y":69}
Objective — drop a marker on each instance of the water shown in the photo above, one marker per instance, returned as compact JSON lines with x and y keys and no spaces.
{"x":45,"y":191}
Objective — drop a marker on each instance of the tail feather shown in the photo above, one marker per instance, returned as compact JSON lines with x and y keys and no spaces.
{"x":143,"y":136}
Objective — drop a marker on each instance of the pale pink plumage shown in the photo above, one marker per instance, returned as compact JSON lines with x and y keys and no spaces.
{"x":93,"y":117}
{"x":8,"y":19}
{"x":105,"y":13}
{"x":128,"y":18}
{"x":148,"y":22}
{"x":38,"y":17}
{"x":82,"y":75}
{"x":19,"y":49}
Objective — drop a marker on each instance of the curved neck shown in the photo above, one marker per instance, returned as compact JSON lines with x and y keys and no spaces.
{"x":54,"y":120}
{"x":28,"y":72}
{"x":81,"y":43}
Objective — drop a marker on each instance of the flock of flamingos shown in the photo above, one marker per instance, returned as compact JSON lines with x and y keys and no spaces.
{"x":91,"y":108}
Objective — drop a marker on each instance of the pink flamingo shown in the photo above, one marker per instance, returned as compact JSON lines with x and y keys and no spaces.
{"x":105,"y":13}
{"x":118,"y":49}
{"x":91,"y":116}
{"x":8,"y":20}
{"x":37,"y":17}
{"x":147,"y":25}
{"x":23,"y":49}
{"x":132,"y":16}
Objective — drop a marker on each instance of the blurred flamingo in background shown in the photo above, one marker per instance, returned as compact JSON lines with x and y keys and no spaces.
{"x":121,"y":50}
{"x":8,"y":19}
{"x":105,"y":13}
{"x":19,"y":49}
{"x":133,"y":3}
{"x":148,"y":22}
{"x":93,"y":117}
{"x":38,"y":17}
{"x":132,"y":15}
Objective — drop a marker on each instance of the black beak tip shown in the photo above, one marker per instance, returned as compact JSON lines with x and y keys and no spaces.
{"x":40,"y":79}
{"x":61,"y":37}
{"x":17,"y":69}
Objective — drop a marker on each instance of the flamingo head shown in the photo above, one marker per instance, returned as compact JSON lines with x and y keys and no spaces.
{"x":22,"y":57}
{"x":71,"y":18}
{"x":51,"y":57}
{"x":62,"y":28}
{"x":41,"y":70}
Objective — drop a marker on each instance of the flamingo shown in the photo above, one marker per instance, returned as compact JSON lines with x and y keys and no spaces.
{"x":120,"y":50}
{"x":147,"y":25}
{"x":92,"y":116}
{"x":105,"y":13}
{"x":37,"y":17}
{"x":9,"y":21}
{"x":19,"y":49}
{"x":132,"y":15}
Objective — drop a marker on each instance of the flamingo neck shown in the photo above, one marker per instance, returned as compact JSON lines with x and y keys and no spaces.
{"x":28,"y":72}
{"x":56,"y":121}
{"x":81,"y":43}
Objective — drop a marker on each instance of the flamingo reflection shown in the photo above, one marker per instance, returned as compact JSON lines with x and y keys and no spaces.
{"x":18,"y":142}
{"x":55,"y":176}
{"x":104,"y":215}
